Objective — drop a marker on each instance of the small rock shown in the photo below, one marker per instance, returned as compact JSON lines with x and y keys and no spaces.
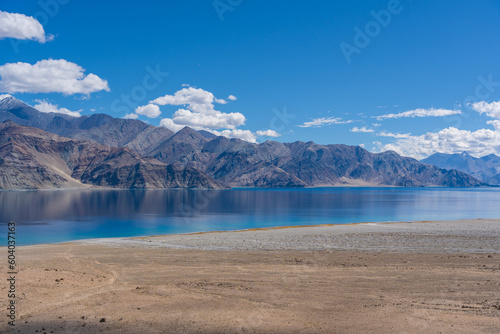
{"x":102,"y":320}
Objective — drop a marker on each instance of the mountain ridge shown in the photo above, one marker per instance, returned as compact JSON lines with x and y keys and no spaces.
{"x":31,"y":158}
{"x":238,"y":163}
{"x":486,"y":168}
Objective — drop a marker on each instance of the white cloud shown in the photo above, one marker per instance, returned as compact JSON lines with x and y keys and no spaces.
{"x":47,"y":107}
{"x":150,"y":110}
{"x":245,"y":135}
{"x":490,"y":109}
{"x":376,"y":125}
{"x":199,"y":112}
{"x":394,"y":135}
{"x":319,"y":122}
{"x":363,"y":129}
{"x":201,"y":121}
{"x":267,"y":133}
{"x":20,"y":26}
{"x":49,"y":76}
{"x":4,"y":96}
{"x":495,"y":123}
{"x":196,"y":99}
{"x":451,"y":140}
{"x":131,"y":116}
{"x":420,"y":113}
{"x":170,"y":124}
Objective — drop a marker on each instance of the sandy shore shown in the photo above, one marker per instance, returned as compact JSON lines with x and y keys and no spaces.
{"x":422,"y":277}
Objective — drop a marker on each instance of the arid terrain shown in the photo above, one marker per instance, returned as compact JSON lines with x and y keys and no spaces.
{"x":367,"y":278}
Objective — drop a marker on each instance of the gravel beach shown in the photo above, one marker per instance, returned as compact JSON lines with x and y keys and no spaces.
{"x":415,"y":277}
{"x":404,"y":237}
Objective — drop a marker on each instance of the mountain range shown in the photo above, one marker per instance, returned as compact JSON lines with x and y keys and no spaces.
{"x":486,"y":169}
{"x":31,"y":158}
{"x":132,"y":154}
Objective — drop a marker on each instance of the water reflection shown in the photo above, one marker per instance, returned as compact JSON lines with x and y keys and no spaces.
{"x":51,"y":216}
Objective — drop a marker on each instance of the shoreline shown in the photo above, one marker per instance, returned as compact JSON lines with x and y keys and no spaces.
{"x":255,"y":229}
{"x":339,"y":185}
{"x":403,"y":277}
{"x":467,"y":235}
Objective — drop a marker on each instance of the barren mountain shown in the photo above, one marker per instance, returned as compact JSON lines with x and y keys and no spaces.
{"x":272,"y":164}
{"x":486,"y":169}
{"x":101,"y":128}
{"x":31,"y":158}
{"x":236,"y":162}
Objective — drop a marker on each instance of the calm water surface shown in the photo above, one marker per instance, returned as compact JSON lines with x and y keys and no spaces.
{"x":57,"y":216}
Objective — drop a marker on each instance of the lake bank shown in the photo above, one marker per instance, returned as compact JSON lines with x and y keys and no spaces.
{"x":280,"y":280}
{"x":470,"y":235}
{"x":61,"y":216}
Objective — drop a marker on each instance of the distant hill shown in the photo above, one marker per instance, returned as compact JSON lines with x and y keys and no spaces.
{"x":31,"y":158}
{"x":238,"y":163}
{"x":486,"y":169}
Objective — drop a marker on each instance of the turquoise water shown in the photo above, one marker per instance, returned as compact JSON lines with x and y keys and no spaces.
{"x":57,"y":216}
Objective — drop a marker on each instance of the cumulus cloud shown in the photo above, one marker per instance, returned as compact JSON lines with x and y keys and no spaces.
{"x":47,"y":107}
{"x":451,"y":140}
{"x":490,"y":109}
{"x":420,"y":113}
{"x":495,"y":123}
{"x":267,"y":133}
{"x":131,"y":116}
{"x":170,"y":124}
{"x":200,"y":121}
{"x":245,"y":135}
{"x":319,"y":122}
{"x":20,"y":26}
{"x":4,"y":96}
{"x":199,"y":113}
{"x":150,"y":110}
{"x":49,"y":76}
{"x":363,"y":129}
{"x":196,"y":99}
{"x":394,"y":135}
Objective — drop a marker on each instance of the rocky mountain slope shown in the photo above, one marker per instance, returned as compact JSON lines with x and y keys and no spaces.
{"x":31,"y":158}
{"x":101,"y":128}
{"x":486,"y":169}
{"x":238,"y":163}
{"x":272,"y":164}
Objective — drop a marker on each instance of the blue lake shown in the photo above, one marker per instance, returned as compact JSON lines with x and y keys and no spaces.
{"x":57,"y":216}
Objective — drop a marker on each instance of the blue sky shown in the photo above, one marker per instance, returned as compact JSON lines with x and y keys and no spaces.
{"x":284,"y":62}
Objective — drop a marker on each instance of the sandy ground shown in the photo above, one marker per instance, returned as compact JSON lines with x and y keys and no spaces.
{"x":427,"y":277}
